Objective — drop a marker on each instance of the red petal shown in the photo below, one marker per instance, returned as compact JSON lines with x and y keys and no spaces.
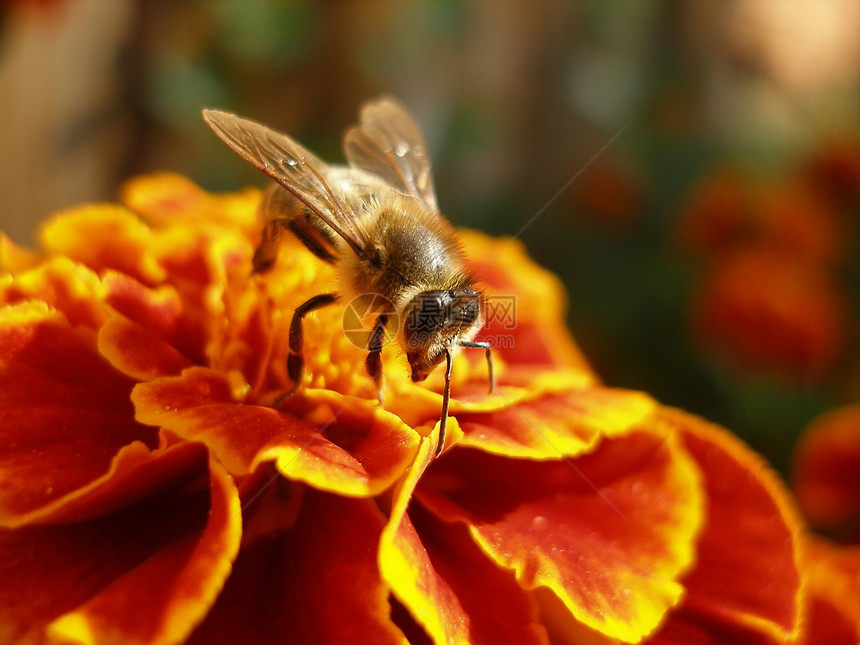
{"x":108,"y":556}
{"x":313,"y":580}
{"x":747,"y":582}
{"x":184,"y":577}
{"x":348,"y":446}
{"x":162,"y":312}
{"x":496,"y":608}
{"x":608,"y":532}
{"x":66,"y":412}
{"x":137,"y":352}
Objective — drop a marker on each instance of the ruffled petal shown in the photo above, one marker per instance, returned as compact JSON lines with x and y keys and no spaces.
{"x":525,"y":305}
{"x":66,"y":412}
{"x":163,"y":312}
{"x":62,"y":284}
{"x":159,"y":533}
{"x":137,"y":352}
{"x":406,"y":567}
{"x":608,"y":533}
{"x":306,"y":574}
{"x":104,"y":236}
{"x":346,"y":446}
{"x":454,"y":592}
{"x":747,"y":581}
{"x":14,"y":258}
{"x":551,"y":421}
{"x":163,"y":199}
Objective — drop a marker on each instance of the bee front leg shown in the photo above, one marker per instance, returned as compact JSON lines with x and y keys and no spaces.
{"x":295,"y":361}
{"x":373,"y":362}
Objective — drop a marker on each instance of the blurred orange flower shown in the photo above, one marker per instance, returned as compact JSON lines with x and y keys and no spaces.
{"x":826,"y":475}
{"x":730,"y":210}
{"x":769,"y":299}
{"x":152,"y":494}
{"x":834,"y":171}
{"x":764,"y":312}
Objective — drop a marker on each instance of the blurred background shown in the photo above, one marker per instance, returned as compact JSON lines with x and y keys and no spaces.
{"x":710,"y":250}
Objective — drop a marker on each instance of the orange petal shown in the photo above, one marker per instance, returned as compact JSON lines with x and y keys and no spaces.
{"x":747,"y":580}
{"x":104,"y":236}
{"x":541,"y":343}
{"x":14,"y":258}
{"x":137,"y":352}
{"x":65,"y":285}
{"x":443,"y":579}
{"x":334,"y":443}
{"x":165,"y":198}
{"x":525,"y":304}
{"x":826,"y":475}
{"x":833,"y":578}
{"x":557,"y":422}
{"x":163,"y":312}
{"x":66,"y":412}
{"x":608,"y":533}
{"x":154,"y":535}
{"x":314,"y":580}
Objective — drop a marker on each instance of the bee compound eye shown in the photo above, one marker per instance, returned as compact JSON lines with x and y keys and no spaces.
{"x":427,"y":312}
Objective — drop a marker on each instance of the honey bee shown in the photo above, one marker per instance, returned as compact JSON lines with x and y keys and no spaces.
{"x":376,"y":220}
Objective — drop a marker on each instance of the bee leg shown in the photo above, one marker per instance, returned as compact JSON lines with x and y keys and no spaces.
{"x":295,"y":361}
{"x":373,"y":362}
{"x":446,"y":398}
{"x":486,"y":347}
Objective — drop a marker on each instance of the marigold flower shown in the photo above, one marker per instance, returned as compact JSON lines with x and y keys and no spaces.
{"x":834,"y":169}
{"x":789,"y":219}
{"x":152,"y":491}
{"x":826,"y":476}
{"x":764,"y":312}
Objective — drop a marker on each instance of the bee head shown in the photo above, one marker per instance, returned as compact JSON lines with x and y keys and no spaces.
{"x":435,"y":320}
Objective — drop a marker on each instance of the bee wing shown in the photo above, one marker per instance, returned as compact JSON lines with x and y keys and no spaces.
{"x":388,"y":142}
{"x":293,"y":167}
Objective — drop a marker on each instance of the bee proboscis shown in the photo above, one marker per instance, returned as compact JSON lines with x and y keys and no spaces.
{"x":376,"y":220}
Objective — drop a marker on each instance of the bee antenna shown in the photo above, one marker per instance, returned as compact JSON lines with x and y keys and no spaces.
{"x":486,"y":347}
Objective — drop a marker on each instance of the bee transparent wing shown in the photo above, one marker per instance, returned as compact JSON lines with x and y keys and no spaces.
{"x":293,"y":167}
{"x":388,"y":142}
